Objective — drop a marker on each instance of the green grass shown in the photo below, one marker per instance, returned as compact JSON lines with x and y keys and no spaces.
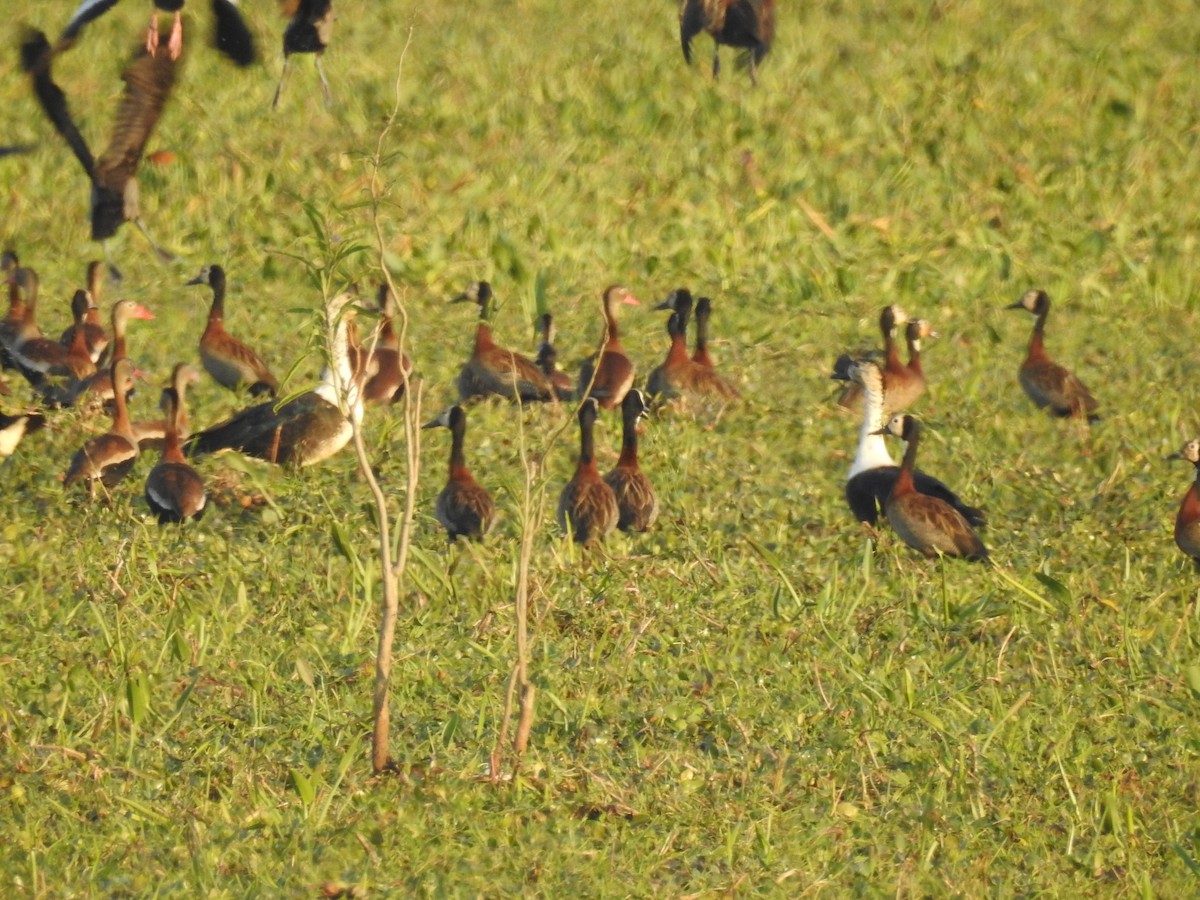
{"x":752,"y":698}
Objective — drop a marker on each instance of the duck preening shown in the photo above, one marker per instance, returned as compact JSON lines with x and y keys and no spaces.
{"x":608,"y":375}
{"x":637,"y":503}
{"x":306,"y":429}
{"x":547,"y":359}
{"x":108,"y":457}
{"x":385,"y":367}
{"x":1048,"y":384}
{"x":309,"y":31}
{"x":464,"y":507}
{"x":231,"y":363}
{"x":896,"y":375}
{"x":748,"y":25}
{"x":492,"y":369}
{"x":230,"y":34}
{"x":174,"y":490}
{"x":148,"y":79}
{"x":928,"y":524}
{"x":873,"y":472}
{"x":1187,"y":520}
{"x":587,"y":507}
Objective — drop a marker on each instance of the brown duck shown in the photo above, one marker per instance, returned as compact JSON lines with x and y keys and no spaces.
{"x":587,"y":507}
{"x":1048,"y":384}
{"x":493,"y":370}
{"x":608,"y":375}
{"x":637,"y":503}
{"x":464,"y":508}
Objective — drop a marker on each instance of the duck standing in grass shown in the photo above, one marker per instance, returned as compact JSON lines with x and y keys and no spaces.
{"x":86,"y":315}
{"x":637,"y":502}
{"x":464,"y":508}
{"x":1048,"y":384}
{"x":174,"y":490}
{"x":491,"y":369}
{"x":387,"y":366}
{"x":99,"y":388}
{"x":231,"y":363}
{"x":547,"y":360}
{"x":895,"y":373}
{"x":607,"y":376}
{"x":748,"y":25}
{"x":309,"y":31}
{"x":928,"y":524}
{"x":587,"y":507}
{"x":1187,"y":520}
{"x":107,"y":458}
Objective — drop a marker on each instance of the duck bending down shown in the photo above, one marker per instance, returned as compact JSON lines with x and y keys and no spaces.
{"x":464,"y":507}
{"x":307,"y":429}
{"x":873,"y":472}
{"x":928,"y":524}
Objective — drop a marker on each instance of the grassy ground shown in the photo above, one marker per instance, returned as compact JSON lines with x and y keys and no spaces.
{"x":753,"y":698}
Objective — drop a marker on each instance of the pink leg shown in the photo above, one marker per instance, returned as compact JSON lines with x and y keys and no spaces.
{"x":152,"y":35}
{"x":175,"y":45}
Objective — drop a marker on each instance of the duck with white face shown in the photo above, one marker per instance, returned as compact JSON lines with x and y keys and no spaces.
{"x":1048,"y":384}
{"x":1187,"y":520}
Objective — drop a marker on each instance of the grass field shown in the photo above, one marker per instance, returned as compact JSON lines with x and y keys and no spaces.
{"x":753,"y":698}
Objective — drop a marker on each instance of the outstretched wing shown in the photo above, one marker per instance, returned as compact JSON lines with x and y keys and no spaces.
{"x":36,"y":57}
{"x":230,"y":34}
{"x":88,"y":11}
{"x":148,"y":83}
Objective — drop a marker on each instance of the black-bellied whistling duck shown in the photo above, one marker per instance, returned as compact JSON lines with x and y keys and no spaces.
{"x":587,"y":507}
{"x":745,"y":24}
{"x":928,"y":524}
{"x":99,"y":388}
{"x":1187,"y":520}
{"x":114,"y":198}
{"x":231,"y":363}
{"x":608,"y":375}
{"x":86,"y":314}
{"x":464,"y":507}
{"x":873,"y":471}
{"x":108,"y":457}
{"x":33,"y":353}
{"x":63,"y":382}
{"x":1047,"y":383}
{"x":309,"y":31}
{"x":174,"y":490}
{"x":895,"y":372}
{"x":493,"y":369}
{"x":152,"y":434}
{"x":307,"y":429}
{"x":13,"y":428}
{"x":230,"y":34}
{"x":637,"y":503}
{"x":547,"y":360}
{"x":387,"y":366}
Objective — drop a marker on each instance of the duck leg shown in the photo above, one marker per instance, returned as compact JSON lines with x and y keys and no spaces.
{"x":282,"y":78}
{"x":164,"y":255}
{"x":324,"y":83}
{"x":716,"y":62}
{"x":175,"y":42}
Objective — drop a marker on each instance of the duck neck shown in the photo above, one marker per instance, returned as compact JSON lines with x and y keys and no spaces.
{"x":121,"y":423}
{"x":701,"y":335}
{"x":1037,"y":348}
{"x":892,"y":361}
{"x":458,"y":459}
{"x":587,"y":454}
{"x":914,"y":359}
{"x":677,"y":355}
{"x":612,"y":336}
{"x":216,"y":312}
{"x":904,"y":481}
{"x":872,"y":450}
{"x":629,"y":442}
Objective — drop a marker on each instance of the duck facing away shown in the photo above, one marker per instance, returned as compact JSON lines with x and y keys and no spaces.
{"x":547,"y":359}
{"x":107,"y":458}
{"x":1187,"y":520}
{"x":307,"y":429}
{"x":174,"y":490}
{"x":309,"y":31}
{"x":607,"y":376}
{"x":873,"y":472}
{"x":86,"y":316}
{"x":464,"y":507}
{"x":748,"y":25}
{"x":1048,"y":384}
{"x":492,"y":369}
{"x":701,"y":356}
{"x":587,"y":507}
{"x":148,"y":78}
{"x":928,"y":524}
{"x":679,"y":376}
{"x":637,"y":503}
{"x":152,"y":435}
{"x":230,"y":362}
{"x":387,"y":365}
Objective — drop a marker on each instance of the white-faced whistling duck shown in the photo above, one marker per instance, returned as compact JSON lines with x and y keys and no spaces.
{"x":493,"y":369}
{"x":14,"y":427}
{"x":464,"y":507}
{"x":152,"y":435}
{"x":231,"y":363}
{"x":587,"y":508}
{"x":95,"y":335}
{"x":108,"y":457}
{"x":309,"y":31}
{"x":307,"y":429}
{"x":903,"y":392}
{"x":745,"y":24}
{"x":607,"y":376}
{"x":895,"y":373}
{"x":873,"y":472}
{"x":1187,"y":520}
{"x":701,"y":356}
{"x":678,"y":375}
{"x":174,"y":490}
{"x":1047,"y":383}
{"x":230,"y":34}
{"x":387,"y":368}
{"x":928,"y":524}
{"x":114,"y":198}
{"x":547,"y":360}
{"x":637,"y":504}
{"x":99,"y":388}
